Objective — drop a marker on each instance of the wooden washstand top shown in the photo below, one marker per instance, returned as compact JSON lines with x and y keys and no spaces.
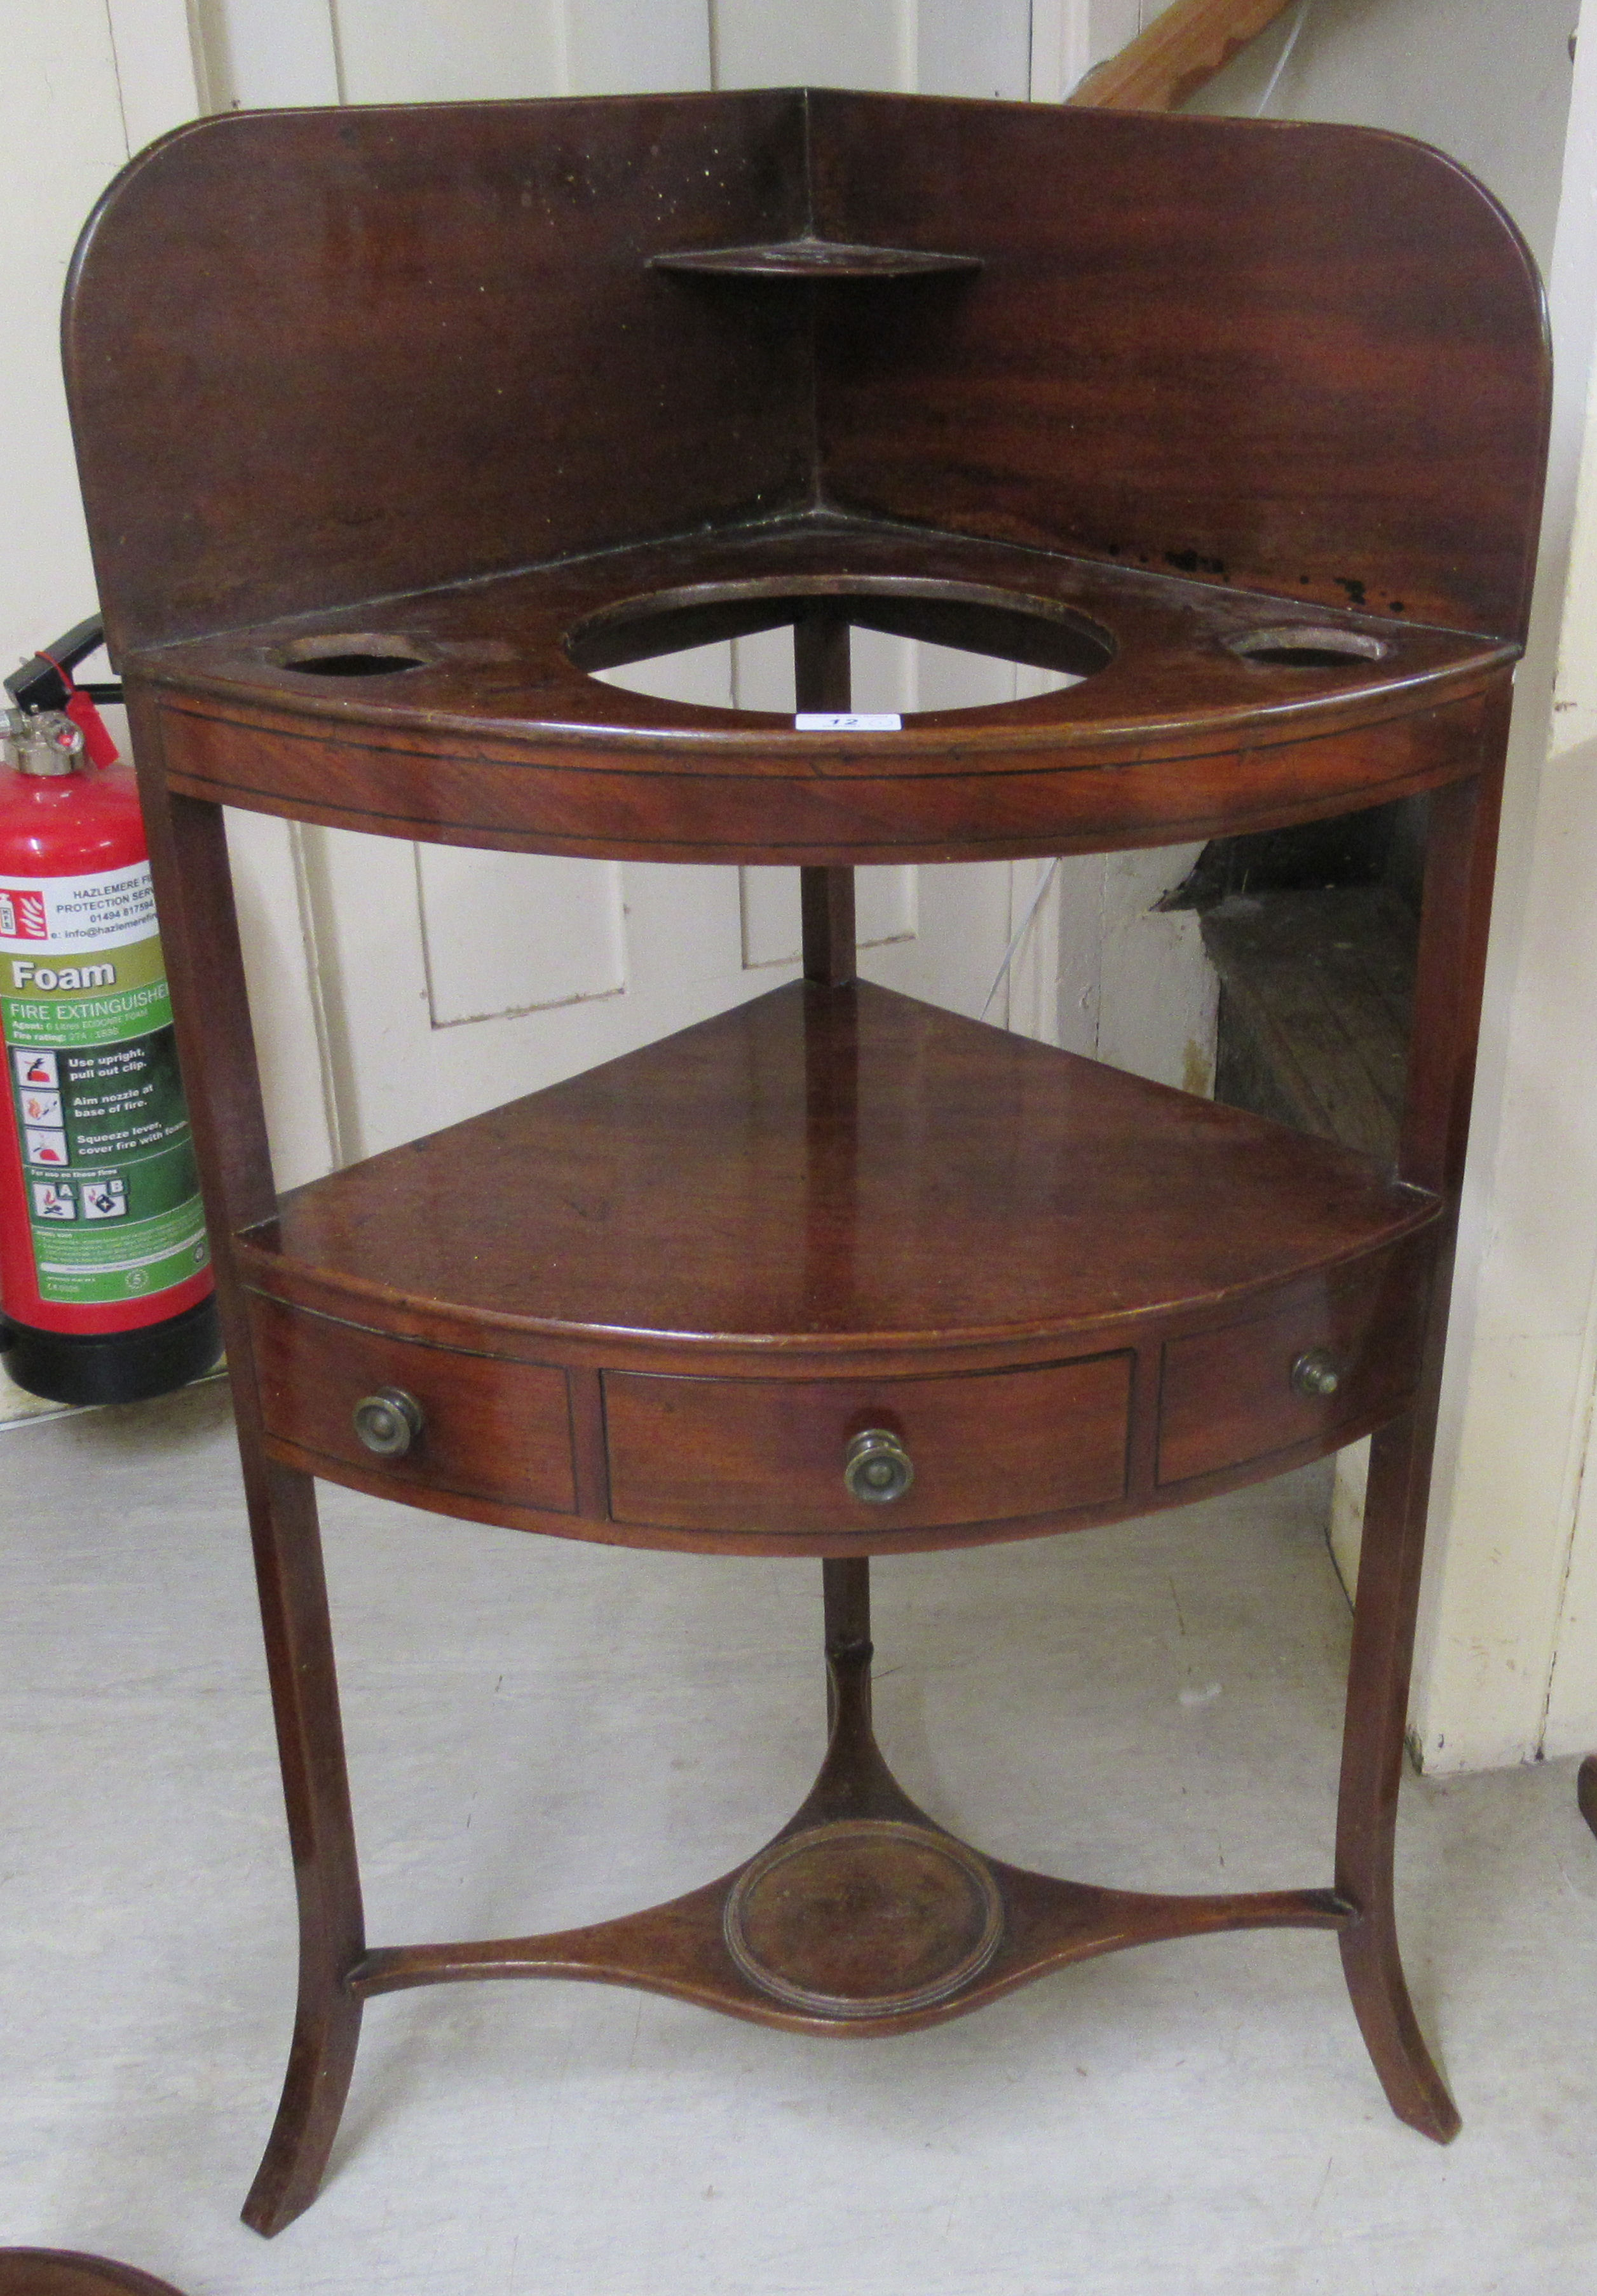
{"x":481,"y":399}
{"x":1198,"y":708}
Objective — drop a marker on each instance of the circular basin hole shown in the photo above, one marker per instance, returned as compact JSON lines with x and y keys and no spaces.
{"x":1300,"y":647}
{"x":356,"y":655}
{"x":953,"y":621}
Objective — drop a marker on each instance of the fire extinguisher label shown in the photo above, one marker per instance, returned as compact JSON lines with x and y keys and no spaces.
{"x":77,"y":913}
{"x":113,"y":1202}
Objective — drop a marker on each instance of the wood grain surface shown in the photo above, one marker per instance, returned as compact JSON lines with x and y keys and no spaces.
{"x":1228,"y":1395}
{"x":1242,"y":385}
{"x":702,"y":1268}
{"x":68,"y":2272}
{"x":818,"y":1174}
{"x":491,"y":1430}
{"x":768,"y":1455}
{"x":1145,"y":433}
{"x":393,"y":430}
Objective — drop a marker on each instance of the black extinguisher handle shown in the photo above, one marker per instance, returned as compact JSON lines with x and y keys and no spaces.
{"x":44,"y":682}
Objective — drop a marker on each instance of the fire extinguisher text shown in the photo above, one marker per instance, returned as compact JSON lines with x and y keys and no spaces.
{"x":47,"y":977}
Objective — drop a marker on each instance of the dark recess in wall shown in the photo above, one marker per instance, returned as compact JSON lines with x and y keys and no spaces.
{"x":1312,"y":932}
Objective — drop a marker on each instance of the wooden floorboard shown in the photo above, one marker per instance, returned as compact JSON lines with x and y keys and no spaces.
{"x":1316,"y":991}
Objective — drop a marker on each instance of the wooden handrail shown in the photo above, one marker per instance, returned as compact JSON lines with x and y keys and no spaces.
{"x":1187,"y":45}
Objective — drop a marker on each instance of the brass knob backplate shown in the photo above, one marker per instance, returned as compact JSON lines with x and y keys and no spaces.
{"x":1316,"y":1374}
{"x":875,"y":1467}
{"x":389,"y":1422}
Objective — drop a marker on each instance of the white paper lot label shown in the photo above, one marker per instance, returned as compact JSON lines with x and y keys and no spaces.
{"x":848,"y":721}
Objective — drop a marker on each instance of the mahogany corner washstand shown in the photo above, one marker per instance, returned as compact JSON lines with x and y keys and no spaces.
{"x":394,"y":425}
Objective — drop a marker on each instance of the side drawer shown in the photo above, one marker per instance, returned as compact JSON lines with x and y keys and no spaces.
{"x":768,"y":1455}
{"x":492,"y":1429}
{"x":1229,"y":1397}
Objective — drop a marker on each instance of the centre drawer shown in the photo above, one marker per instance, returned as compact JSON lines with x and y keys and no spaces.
{"x":770,"y":1454}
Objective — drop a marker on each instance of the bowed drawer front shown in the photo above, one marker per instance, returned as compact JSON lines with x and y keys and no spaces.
{"x":489,"y":1428}
{"x":984,"y":1447}
{"x":1344,"y":1358}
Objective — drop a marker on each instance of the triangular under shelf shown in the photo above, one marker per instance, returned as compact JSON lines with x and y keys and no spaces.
{"x":818,"y":1167}
{"x":809,"y":257}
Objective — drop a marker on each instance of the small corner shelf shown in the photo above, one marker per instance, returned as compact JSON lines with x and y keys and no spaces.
{"x":835,"y":1274}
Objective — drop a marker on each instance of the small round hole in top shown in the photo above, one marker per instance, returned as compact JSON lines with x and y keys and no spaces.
{"x":351,"y":655}
{"x":1302,"y":646}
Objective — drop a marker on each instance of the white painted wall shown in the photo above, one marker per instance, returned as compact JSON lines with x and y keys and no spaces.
{"x":86,"y":83}
{"x":1510,"y":1632}
{"x":1507,"y":1661}
{"x":81,"y":86}
{"x":1487,"y":80}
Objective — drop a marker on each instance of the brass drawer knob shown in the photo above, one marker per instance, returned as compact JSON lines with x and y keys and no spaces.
{"x":389,"y":1422}
{"x":877,"y":1467}
{"x":1316,"y":1374}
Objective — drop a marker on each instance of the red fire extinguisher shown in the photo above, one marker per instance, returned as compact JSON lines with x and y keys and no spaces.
{"x":105,"y":1269}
